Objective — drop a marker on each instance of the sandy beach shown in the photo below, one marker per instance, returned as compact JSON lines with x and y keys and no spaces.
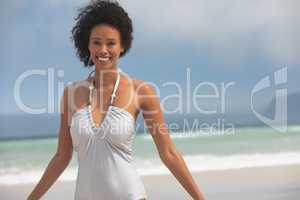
{"x":261,"y":183}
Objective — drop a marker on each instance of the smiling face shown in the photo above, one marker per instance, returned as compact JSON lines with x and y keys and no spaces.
{"x":105,"y":46}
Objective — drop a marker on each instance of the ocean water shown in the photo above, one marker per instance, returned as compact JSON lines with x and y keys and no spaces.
{"x":23,"y":161}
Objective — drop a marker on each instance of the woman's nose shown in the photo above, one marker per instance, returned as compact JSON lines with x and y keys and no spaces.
{"x":103,"y":49}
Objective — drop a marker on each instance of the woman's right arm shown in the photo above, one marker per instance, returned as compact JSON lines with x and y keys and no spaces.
{"x":63,"y":155}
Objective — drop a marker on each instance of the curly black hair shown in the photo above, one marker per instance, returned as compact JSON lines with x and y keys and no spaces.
{"x":100,"y":12}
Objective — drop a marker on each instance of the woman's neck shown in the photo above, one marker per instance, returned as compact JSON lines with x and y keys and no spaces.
{"x":105,"y":78}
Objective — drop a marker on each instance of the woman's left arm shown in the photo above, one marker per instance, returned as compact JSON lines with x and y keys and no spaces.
{"x":150,"y":105}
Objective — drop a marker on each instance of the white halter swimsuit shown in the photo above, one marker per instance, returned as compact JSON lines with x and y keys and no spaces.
{"x":105,"y":171}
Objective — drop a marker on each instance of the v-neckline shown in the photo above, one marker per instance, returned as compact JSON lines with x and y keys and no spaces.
{"x":112,"y":97}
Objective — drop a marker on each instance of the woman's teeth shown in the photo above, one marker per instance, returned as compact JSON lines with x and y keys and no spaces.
{"x":103,"y":58}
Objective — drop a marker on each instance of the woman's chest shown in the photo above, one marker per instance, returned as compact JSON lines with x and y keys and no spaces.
{"x":118,"y":126}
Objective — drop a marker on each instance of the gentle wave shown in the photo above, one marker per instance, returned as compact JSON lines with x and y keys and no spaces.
{"x":196,"y":163}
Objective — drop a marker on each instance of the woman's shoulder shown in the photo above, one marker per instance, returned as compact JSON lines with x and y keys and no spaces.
{"x":139,"y":86}
{"x":79,"y":87}
{"x":146,"y":93}
{"x":143,"y":87}
{"x":77,"y":94}
{"x":80,"y":83}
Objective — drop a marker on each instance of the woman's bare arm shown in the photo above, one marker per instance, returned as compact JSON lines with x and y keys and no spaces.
{"x":170,"y":156}
{"x":62,"y":156}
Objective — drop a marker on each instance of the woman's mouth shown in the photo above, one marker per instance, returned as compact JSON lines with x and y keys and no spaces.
{"x":103,"y":58}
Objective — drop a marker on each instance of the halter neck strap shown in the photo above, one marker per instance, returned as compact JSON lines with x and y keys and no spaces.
{"x":115,"y":89}
{"x":116,"y":85}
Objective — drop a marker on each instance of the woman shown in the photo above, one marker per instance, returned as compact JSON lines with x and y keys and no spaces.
{"x":98,"y":115}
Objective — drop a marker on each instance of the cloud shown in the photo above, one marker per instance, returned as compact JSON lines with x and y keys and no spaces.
{"x":268,"y":28}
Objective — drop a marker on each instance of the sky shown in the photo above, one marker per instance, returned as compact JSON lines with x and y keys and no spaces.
{"x":219,"y":42}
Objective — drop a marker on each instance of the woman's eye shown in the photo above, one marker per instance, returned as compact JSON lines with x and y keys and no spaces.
{"x":111,"y":44}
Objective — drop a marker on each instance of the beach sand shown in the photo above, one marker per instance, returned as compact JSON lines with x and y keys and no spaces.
{"x":260,"y":183}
